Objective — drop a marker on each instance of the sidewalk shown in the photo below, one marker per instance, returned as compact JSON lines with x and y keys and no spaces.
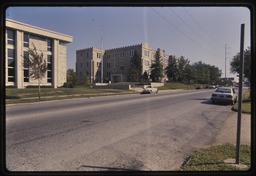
{"x":228,"y":132}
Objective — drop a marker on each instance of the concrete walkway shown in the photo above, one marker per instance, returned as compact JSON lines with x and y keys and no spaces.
{"x":228,"y":132}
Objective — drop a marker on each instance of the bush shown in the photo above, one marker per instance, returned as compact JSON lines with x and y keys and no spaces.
{"x":68,"y":85}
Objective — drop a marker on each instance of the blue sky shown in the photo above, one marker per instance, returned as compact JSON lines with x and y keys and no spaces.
{"x":197,"y":33}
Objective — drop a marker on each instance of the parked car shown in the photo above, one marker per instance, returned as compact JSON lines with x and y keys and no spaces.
{"x":225,"y":95}
{"x":149,"y":90}
{"x":199,"y":87}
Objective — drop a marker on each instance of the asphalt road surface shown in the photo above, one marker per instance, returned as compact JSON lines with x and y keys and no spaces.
{"x":149,"y":132}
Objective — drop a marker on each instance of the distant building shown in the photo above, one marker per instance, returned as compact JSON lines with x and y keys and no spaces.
{"x":116,"y":62}
{"x":230,"y":79}
{"x":20,"y":37}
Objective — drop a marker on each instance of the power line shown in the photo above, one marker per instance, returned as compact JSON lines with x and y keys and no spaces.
{"x":195,"y":32}
{"x":177,"y":28}
{"x":198,"y":24}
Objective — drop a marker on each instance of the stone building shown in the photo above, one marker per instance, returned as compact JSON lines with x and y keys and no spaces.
{"x":19,"y":37}
{"x":116,"y":62}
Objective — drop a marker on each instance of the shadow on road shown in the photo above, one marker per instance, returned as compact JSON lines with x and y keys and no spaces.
{"x":209,"y":101}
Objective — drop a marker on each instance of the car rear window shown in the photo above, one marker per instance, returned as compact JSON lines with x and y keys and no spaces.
{"x":223,"y":90}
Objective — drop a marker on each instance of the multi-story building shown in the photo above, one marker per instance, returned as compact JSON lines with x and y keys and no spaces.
{"x":19,"y":37}
{"x":116,"y":62}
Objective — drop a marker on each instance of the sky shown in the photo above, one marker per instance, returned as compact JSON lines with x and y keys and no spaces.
{"x":207,"y":34}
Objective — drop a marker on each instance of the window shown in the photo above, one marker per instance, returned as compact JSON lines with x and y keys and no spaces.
{"x":11,"y":65}
{"x":108,"y":65}
{"x":26,"y":56}
{"x":49,"y":68}
{"x":98,"y":55}
{"x":25,"y":40}
{"x":62,"y":43}
{"x":10,"y":37}
{"x":122,"y":68}
{"x":121,"y":54}
{"x":87,"y":64}
{"x":49,"y":44}
{"x":114,"y":55}
{"x":146,"y":53}
{"x":98,"y":64}
{"x":81,"y":56}
{"x":87,"y":55}
{"x":131,"y":53}
{"x":26,"y":68}
{"x":37,"y":37}
{"x":26,"y":75}
{"x":146,"y":63}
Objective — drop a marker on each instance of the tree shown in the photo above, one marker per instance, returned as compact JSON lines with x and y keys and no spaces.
{"x":189,"y":73}
{"x":157,"y":68}
{"x":172,"y":69}
{"x":86,"y":79}
{"x":206,"y":74}
{"x":145,"y":77}
{"x":72,"y":79}
{"x":135,"y":71}
{"x":37,"y":65}
{"x":182,"y":64}
{"x":234,"y":65}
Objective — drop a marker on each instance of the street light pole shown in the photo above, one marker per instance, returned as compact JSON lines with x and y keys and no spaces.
{"x":101,"y":55}
{"x":225,"y":63}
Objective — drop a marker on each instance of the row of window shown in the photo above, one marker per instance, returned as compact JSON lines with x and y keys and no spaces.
{"x":11,"y":65}
{"x":49,"y":68}
{"x":26,"y":37}
{"x":146,"y":63}
{"x":108,"y":56}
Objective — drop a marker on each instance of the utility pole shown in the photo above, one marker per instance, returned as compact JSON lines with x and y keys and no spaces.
{"x":101,"y":55}
{"x":241,"y":73}
{"x":225,"y":63}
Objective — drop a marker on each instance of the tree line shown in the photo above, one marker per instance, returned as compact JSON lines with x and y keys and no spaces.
{"x":178,"y":70}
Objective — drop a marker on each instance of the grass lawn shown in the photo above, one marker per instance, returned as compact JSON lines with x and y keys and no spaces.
{"x":212,"y":158}
{"x":14,"y":95}
{"x":246,"y":104}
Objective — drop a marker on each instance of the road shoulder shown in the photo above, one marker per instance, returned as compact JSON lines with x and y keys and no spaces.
{"x":228,"y":131}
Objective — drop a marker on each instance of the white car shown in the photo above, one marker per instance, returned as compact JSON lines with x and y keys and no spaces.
{"x":149,"y":90}
{"x":225,"y":95}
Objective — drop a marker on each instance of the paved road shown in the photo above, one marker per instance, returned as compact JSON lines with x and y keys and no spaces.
{"x":119,"y":133}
